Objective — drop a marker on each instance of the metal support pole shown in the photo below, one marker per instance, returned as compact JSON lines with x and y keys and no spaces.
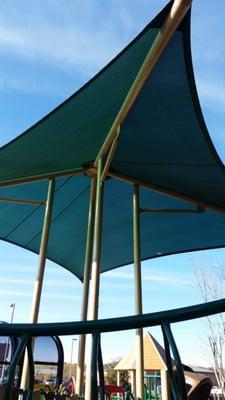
{"x":42,"y":254}
{"x":94,"y":367}
{"x":101,"y":371}
{"x":95,"y":278}
{"x":111,"y":154}
{"x":13,"y":306}
{"x":138,"y":294}
{"x":164,"y":385}
{"x":41,"y":269}
{"x":87,"y":270}
{"x":173,"y":19}
{"x":97,"y":245}
{"x":70,"y":369}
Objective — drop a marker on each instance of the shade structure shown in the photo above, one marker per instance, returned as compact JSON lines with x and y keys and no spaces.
{"x":164,"y":145}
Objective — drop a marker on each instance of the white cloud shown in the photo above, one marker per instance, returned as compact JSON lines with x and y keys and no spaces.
{"x":27,"y":84}
{"x":63,"y":283}
{"x":114,"y":300}
{"x":71,"y":43}
{"x":16,"y":281}
{"x":212,"y":93}
{"x":11,"y":38}
{"x":169,"y":279}
{"x":164,"y":279}
{"x":17,"y":293}
{"x":79,"y":38}
{"x":118,"y":274}
{"x":17,"y":267}
{"x":61,"y":296}
{"x":47,"y":283}
{"x":31,"y":268}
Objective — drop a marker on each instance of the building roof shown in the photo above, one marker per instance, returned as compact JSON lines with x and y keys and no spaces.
{"x":205,"y":371}
{"x":154,"y":356}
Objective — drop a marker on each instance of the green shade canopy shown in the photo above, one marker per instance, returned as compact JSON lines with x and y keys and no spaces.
{"x":164,"y":145}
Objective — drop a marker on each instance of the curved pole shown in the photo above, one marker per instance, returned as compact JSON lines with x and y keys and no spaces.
{"x":31,"y":369}
{"x":138,"y":294}
{"x":115,"y":324}
{"x":179,"y":380}
{"x":87,"y":271}
{"x":11,"y":371}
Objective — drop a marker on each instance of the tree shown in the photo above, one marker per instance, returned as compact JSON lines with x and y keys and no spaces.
{"x":124,"y":377}
{"x":110,"y":372}
{"x":212,"y":287}
{"x":69,"y":370}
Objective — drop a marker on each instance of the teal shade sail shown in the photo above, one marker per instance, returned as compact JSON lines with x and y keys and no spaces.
{"x":164,"y":144}
{"x":161,"y":234}
{"x":72,"y":134}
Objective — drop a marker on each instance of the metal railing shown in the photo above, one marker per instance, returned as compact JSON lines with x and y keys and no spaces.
{"x":164,"y":319}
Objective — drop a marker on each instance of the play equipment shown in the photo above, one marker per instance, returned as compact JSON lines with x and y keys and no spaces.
{"x":152,"y":385}
{"x":114,"y":392}
{"x":40,"y":359}
{"x":198,"y":386}
{"x":69,"y":386}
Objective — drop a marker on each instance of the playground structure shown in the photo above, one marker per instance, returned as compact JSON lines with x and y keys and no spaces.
{"x":156,"y":380}
{"x":198,"y":385}
{"x":131,"y":142}
{"x":155,"y":368}
{"x":151,"y":387}
{"x":163,"y":319}
{"x":53,"y":358}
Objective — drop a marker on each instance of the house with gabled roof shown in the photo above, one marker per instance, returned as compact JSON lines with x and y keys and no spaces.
{"x":154,"y":364}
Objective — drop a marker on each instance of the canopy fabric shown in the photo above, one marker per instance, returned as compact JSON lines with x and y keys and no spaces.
{"x":163,"y":143}
{"x":161,"y":234}
{"x":72,"y":134}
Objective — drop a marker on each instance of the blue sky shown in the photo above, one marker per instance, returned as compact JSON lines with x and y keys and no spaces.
{"x":48,"y":49}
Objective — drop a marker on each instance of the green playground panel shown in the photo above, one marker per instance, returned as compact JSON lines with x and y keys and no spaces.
{"x":151,"y":388}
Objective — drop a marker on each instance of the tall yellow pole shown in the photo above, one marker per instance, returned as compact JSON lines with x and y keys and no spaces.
{"x":95,"y":274}
{"x":87,"y":271}
{"x":175,"y":16}
{"x":138,"y":294}
{"x":41,"y":269}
